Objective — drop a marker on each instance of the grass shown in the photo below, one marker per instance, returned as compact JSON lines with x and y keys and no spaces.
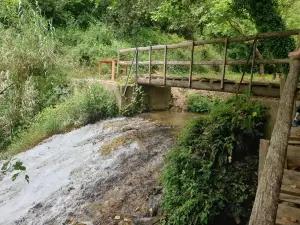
{"x":84,"y":107}
{"x":114,"y":144}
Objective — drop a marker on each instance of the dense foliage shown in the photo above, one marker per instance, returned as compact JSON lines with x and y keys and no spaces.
{"x":197,"y":103}
{"x":86,"y":106}
{"x":43,"y":45}
{"x":210,"y":176}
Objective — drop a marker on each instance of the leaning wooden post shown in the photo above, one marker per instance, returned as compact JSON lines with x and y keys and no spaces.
{"x":191,"y":64}
{"x":136,"y":65}
{"x":266,"y":201}
{"x":150,"y":63}
{"x":224,"y":63}
{"x":165,"y":65}
{"x":118,"y":65}
{"x":252,"y":64}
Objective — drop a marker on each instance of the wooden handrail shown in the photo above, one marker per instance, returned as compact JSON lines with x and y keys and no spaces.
{"x":210,"y":62}
{"x":216,"y":41}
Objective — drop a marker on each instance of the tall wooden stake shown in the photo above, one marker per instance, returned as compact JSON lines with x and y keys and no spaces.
{"x":150,"y":63}
{"x":165,"y":65}
{"x":118,"y":65}
{"x":252,"y":65}
{"x":224,"y":63}
{"x":136,"y":65}
{"x":191,"y":65}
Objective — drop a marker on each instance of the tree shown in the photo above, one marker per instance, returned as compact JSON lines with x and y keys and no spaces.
{"x":266,"y":17}
{"x":267,"y":195}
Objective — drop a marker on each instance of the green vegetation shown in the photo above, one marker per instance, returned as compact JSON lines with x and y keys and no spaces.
{"x":85,"y":107}
{"x":198,"y":104}
{"x":44,"y":46}
{"x":210,"y":177}
{"x":137,"y":104}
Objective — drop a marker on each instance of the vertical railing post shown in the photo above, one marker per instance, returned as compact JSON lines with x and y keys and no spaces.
{"x":118,"y":65}
{"x":191,"y":65}
{"x":165,"y":65}
{"x":136,"y":65}
{"x":150,"y":63}
{"x":252,"y":64}
{"x":224,"y":63}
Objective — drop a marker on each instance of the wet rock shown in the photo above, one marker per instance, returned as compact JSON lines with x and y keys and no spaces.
{"x":154,"y":204}
{"x":146,"y":221}
{"x":126,"y":187}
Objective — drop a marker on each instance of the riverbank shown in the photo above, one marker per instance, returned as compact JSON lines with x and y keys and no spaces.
{"x":92,"y":174}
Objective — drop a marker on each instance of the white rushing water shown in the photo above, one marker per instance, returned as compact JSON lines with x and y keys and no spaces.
{"x":66,"y":171}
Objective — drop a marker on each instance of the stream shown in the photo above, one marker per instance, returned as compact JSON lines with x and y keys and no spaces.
{"x":93,"y":174}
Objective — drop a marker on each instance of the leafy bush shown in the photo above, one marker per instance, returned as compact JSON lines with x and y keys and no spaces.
{"x":137,"y":104}
{"x":197,"y":103}
{"x":87,"y":106}
{"x":210,"y":177}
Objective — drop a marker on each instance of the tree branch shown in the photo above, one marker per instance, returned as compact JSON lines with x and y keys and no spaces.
{"x":5,"y":89}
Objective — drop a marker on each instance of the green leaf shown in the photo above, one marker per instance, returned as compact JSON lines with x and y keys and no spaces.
{"x":19,"y":166}
{"x":5,"y":165}
{"x":14,"y":177}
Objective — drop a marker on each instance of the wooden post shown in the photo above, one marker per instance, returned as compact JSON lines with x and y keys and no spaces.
{"x":118,"y":65}
{"x":165,"y":65}
{"x":252,"y":64}
{"x":191,"y":65}
{"x":224,"y":63}
{"x":113,"y":69}
{"x":136,"y":65}
{"x":150,"y":62}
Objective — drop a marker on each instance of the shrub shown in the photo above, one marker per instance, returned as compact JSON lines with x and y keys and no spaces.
{"x":137,"y":104}
{"x":210,"y":176}
{"x":84,"y":107}
{"x":199,"y":104}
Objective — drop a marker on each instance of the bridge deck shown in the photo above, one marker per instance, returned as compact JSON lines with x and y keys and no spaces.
{"x":267,"y":89}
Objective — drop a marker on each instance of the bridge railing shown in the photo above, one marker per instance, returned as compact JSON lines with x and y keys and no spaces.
{"x":224,"y":62}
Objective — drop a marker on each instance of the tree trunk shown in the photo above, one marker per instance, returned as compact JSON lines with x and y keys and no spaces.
{"x":261,"y":66}
{"x":266,"y":201}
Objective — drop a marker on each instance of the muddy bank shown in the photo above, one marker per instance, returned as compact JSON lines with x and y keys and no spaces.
{"x":90,"y":175}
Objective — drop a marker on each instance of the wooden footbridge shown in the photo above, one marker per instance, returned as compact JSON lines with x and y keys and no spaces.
{"x":270,"y":89}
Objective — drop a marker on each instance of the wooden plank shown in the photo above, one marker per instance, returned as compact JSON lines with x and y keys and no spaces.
{"x":292,"y":142}
{"x":293,"y":157}
{"x":158,"y":47}
{"x":285,"y":211}
{"x":289,"y":198}
{"x":290,"y":191}
{"x":250,"y":37}
{"x":291,"y":177}
{"x":224,"y":63}
{"x":191,"y":66}
{"x":165,"y":64}
{"x":212,"y":62}
{"x":258,"y":89}
{"x":281,"y":222}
